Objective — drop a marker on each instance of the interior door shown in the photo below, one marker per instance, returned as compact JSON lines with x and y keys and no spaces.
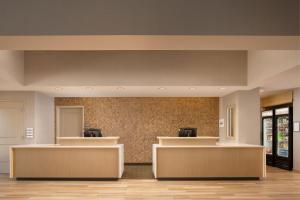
{"x":70,"y":121}
{"x":11,"y":130}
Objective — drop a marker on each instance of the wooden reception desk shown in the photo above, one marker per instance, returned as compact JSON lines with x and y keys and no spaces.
{"x":208,"y":161}
{"x":67,"y":161}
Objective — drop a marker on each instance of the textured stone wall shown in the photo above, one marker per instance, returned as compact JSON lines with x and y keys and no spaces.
{"x":139,"y":120}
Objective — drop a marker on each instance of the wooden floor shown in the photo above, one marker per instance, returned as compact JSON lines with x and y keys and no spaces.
{"x":279,"y":184}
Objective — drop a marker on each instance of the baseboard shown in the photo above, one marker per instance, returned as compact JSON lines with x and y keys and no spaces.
{"x":296,"y":170}
{"x":66,"y":179}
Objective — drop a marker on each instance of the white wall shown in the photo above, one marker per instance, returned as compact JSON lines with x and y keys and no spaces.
{"x":44,"y":119}
{"x":296,"y":116}
{"x":247,"y":116}
{"x":39,"y":114}
{"x":135,"y":68}
{"x":228,"y":100}
{"x":28,"y":99}
{"x":264,"y":64}
{"x":12,"y":67}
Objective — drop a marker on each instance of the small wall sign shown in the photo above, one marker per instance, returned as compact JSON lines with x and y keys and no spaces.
{"x":296,"y":126}
{"x":221,"y":123}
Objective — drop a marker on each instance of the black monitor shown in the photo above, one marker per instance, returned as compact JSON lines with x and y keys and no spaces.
{"x":92,"y":132}
{"x":187,"y":132}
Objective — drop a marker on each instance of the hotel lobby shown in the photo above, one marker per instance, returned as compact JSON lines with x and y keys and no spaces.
{"x":148,"y":99}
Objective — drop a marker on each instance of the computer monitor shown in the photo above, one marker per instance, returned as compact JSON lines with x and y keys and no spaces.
{"x":92,"y":132}
{"x":187,"y":132}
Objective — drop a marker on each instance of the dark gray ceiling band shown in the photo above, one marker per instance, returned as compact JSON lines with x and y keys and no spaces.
{"x":149,"y":17}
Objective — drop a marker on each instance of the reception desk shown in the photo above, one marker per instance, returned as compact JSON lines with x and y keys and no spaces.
{"x":208,"y":161}
{"x":67,"y":161}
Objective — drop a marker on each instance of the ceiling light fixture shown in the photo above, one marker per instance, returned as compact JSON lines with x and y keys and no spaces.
{"x":192,"y":88}
{"x":58,"y":89}
{"x":120,"y":88}
{"x":89,"y":88}
{"x":222,"y":88}
{"x":161,"y":88}
{"x":261,"y":90}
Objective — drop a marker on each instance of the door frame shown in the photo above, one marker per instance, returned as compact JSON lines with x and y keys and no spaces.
{"x":57,"y":116}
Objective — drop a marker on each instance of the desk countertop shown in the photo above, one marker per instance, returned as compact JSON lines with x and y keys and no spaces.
{"x":89,"y":138}
{"x":189,"y":138}
{"x":65,"y":146}
{"x":218,"y":145}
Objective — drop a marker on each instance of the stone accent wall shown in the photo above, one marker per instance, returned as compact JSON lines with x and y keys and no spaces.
{"x":139,"y":120}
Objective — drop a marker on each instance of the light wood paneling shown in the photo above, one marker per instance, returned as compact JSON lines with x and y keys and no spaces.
{"x":138,"y":121}
{"x":187,"y":141}
{"x":278,"y":185}
{"x":65,"y":162}
{"x":277,"y":99}
{"x":209,"y":161}
{"x":87,"y":141}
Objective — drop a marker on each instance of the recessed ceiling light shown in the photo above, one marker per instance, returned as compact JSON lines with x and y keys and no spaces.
{"x":120,"y":88}
{"x":58,"y":88}
{"x":261,"y":90}
{"x":161,"y":88}
{"x":222,"y":88}
{"x":192,"y":88}
{"x":89,"y":88}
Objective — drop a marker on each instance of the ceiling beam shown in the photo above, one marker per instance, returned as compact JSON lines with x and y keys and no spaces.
{"x":148,"y":42}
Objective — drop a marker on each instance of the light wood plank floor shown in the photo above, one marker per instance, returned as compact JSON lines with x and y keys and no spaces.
{"x":279,"y":184}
